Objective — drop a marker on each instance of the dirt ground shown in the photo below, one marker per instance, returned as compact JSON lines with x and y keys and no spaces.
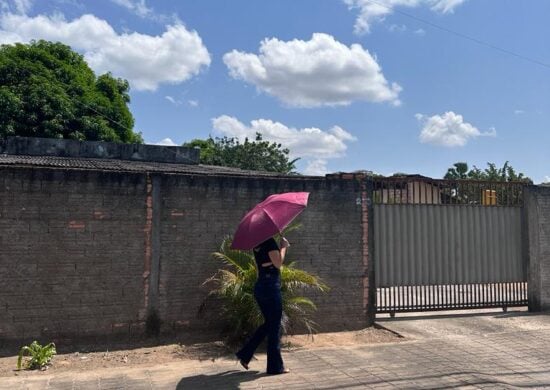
{"x":109,"y":355}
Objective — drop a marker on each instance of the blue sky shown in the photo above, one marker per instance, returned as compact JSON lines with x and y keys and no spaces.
{"x":344,"y":84}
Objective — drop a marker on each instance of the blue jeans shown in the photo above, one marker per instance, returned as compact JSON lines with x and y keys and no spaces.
{"x":267,"y":292}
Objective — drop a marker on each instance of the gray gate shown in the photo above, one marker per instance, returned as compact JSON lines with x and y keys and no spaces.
{"x":441,"y":245}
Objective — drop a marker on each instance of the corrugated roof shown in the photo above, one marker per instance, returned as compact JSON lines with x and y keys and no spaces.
{"x":97,"y":164}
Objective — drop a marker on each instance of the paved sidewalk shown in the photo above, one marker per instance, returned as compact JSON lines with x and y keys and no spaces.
{"x":497,"y":360}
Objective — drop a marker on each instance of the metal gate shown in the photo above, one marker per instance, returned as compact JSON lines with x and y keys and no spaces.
{"x":442,"y":245}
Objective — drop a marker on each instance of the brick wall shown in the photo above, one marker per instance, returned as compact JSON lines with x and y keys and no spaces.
{"x":197,"y":213}
{"x":72,"y":252}
{"x":85,"y":252}
{"x":537,"y":213}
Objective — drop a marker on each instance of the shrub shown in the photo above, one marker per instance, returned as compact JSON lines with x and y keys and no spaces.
{"x":234,"y":286}
{"x":39,"y":355}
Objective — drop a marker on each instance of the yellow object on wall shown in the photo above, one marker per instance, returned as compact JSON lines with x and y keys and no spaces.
{"x":489,"y":197}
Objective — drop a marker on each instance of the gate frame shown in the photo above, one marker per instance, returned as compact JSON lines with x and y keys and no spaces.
{"x":369,"y":188}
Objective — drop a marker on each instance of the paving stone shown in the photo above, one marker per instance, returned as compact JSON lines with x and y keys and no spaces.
{"x":494,"y":361}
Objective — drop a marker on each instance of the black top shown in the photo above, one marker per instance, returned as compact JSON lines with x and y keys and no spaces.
{"x":261,"y":254}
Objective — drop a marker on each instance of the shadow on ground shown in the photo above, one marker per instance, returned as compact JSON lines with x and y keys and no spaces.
{"x":230,"y":380}
{"x":436,"y":316}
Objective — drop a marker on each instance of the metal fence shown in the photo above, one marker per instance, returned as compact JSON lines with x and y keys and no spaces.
{"x":442,"y":244}
{"x":422,"y":190}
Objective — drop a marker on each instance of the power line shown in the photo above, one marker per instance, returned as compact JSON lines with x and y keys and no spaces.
{"x":100,"y":114}
{"x":462,"y":35}
{"x":75,"y":100}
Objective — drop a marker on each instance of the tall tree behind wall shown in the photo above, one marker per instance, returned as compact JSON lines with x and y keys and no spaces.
{"x":48,"y":90}
{"x":487,"y":190}
{"x":258,"y":155}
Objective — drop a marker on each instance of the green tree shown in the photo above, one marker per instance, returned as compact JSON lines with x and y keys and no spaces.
{"x":466,"y":190}
{"x":48,"y":90}
{"x":460,"y":171}
{"x":258,"y":155}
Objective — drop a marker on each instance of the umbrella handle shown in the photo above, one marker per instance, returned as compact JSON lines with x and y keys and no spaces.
{"x":284,"y":242}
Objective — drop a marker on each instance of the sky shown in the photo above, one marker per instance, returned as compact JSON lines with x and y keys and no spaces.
{"x":387,"y":86}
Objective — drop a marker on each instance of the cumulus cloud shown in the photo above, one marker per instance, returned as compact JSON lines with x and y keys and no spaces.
{"x":166,"y":142}
{"x":311,"y":144}
{"x":16,"y":6}
{"x":139,"y":7}
{"x":519,"y":112}
{"x":316,"y":168}
{"x":318,"y":72}
{"x":193,"y":103}
{"x":371,"y":12}
{"x":145,"y":60}
{"x":448,"y":129}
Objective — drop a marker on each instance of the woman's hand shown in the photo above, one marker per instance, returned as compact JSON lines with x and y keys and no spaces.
{"x":278,"y":257}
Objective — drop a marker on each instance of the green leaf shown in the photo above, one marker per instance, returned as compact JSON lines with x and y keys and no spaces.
{"x":233,"y":285}
{"x":48,"y":90}
{"x":39,"y":355}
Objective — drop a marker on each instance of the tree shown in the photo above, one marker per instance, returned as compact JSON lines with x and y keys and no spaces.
{"x":256,"y":155}
{"x":48,"y":90}
{"x":488,"y":188}
{"x":459,"y":171}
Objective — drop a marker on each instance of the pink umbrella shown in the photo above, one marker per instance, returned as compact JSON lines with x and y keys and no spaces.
{"x":268,"y":218}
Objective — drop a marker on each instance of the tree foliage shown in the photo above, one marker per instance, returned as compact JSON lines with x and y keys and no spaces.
{"x":258,"y":155}
{"x":490,"y":188}
{"x":460,"y":171}
{"x":48,"y":90}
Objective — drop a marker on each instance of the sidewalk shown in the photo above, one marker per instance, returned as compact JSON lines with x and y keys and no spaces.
{"x":497,"y":360}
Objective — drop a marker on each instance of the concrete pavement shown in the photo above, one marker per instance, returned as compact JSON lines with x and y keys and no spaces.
{"x":470,"y":352}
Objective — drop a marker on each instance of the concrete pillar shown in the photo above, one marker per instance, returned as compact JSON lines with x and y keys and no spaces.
{"x":537,"y":214}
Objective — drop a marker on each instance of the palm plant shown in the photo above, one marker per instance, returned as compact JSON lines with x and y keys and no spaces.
{"x":234,"y":286}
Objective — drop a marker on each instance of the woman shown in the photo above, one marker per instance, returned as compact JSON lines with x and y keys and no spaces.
{"x":267,"y":292}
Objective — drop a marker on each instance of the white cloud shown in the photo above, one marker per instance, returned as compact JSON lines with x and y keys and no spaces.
{"x":397,"y":28}
{"x":16,"y":6}
{"x":173,"y":100}
{"x":371,"y":12}
{"x":519,"y":112}
{"x":316,"y":168}
{"x":313,"y":145}
{"x":137,"y":6}
{"x":546,"y":179}
{"x":445,"y":6}
{"x":420,"y":32}
{"x":449,"y":130}
{"x":166,"y":142}
{"x":193,"y":103}
{"x":318,"y":72}
{"x":141,"y":9}
{"x":145,"y":60}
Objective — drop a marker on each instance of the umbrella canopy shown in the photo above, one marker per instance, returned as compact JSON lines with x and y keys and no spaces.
{"x":268,"y":218}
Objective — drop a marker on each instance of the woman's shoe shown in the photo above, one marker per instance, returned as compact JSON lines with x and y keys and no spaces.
{"x":242,"y":362}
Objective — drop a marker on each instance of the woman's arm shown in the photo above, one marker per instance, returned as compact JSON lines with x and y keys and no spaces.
{"x":278,"y":257}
